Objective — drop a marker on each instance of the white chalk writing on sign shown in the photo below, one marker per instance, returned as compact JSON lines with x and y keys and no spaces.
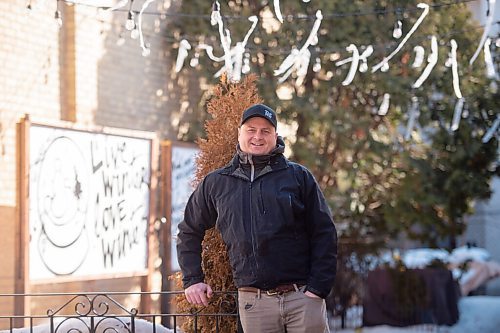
{"x":89,"y":203}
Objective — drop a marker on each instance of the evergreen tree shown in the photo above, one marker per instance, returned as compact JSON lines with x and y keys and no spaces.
{"x":226,"y":105}
{"x":379,"y":184}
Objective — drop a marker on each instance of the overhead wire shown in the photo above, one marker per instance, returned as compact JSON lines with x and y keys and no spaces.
{"x":396,"y":10}
{"x":280,"y":50}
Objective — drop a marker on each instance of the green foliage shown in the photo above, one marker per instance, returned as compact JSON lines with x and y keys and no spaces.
{"x":379,"y":185}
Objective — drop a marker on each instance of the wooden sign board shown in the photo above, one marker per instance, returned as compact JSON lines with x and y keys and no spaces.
{"x":178,"y":165}
{"x":89,"y":203}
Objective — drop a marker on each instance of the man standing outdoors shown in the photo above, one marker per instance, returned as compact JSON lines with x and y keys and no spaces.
{"x":277,"y":227}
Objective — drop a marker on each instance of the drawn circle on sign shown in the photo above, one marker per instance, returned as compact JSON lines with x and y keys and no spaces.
{"x":62,"y":197}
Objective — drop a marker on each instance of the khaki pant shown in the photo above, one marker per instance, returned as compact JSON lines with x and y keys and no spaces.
{"x":292,"y":312}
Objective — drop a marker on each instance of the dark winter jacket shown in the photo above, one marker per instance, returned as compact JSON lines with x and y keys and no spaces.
{"x":277,"y":228}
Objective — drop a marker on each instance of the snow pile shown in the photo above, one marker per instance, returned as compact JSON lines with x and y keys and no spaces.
{"x":420,"y":258}
{"x":101,"y":325}
{"x":464,"y":253}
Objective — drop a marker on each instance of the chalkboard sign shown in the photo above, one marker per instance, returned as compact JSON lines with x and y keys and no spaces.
{"x":183,"y":172}
{"x":89,"y":197}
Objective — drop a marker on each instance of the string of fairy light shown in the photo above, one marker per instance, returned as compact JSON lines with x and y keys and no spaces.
{"x":122,"y":7}
{"x":236,"y":58}
{"x":131,"y":25}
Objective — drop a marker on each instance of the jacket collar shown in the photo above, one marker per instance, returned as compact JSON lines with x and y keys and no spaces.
{"x":275,"y":160}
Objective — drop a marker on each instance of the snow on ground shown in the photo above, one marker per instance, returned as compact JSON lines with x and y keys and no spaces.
{"x":477,"y":314}
{"x":101,"y":325}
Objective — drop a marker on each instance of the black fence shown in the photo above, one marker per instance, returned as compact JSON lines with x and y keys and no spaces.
{"x":93,"y":312}
{"x":117,"y":312}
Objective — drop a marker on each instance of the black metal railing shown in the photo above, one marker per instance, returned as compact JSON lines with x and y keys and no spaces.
{"x":97,"y":312}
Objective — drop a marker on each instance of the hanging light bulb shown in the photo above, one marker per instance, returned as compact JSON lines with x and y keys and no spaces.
{"x":397,"y":32}
{"x":314,"y":40}
{"x":385,"y":67}
{"x":448,"y":62}
{"x":246,"y":64}
{"x":363,"y":66}
{"x":134,"y":34}
{"x":317,"y":65}
{"x":465,"y":112}
{"x":130,"y":24}
{"x":215,"y":13}
{"x":58,"y":18}
{"x":195,"y":60}
{"x":146,"y":52}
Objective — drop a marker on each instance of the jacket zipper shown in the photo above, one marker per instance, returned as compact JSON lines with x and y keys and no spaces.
{"x":252,"y":168}
{"x":252,"y":221}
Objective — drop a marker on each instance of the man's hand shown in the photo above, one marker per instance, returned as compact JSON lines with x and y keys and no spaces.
{"x":198,"y":293}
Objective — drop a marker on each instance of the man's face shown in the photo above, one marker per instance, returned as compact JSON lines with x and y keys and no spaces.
{"x":257,"y":136}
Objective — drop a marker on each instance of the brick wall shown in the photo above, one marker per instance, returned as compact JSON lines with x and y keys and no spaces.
{"x":82,"y":73}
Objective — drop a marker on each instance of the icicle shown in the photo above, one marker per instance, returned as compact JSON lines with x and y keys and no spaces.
{"x":487,"y":26}
{"x":366,"y":53}
{"x":277,"y":10}
{"x":405,"y":39}
{"x":397,"y":32}
{"x":384,"y":106}
{"x":288,"y":62}
{"x":210,"y":52}
{"x":457,"y":114}
{"x":303,"y":65}
{"x":215,"y":15}
{"x":492,"y":130}
{"x":313,"y":36}
{"x":354,"y":64}
{"x":254,"y":21}
{"x":239,"y":50}
{"x":297,"y":58}
{"x":432,"y":61}
{"x":145,"y":48}
{"x":363,"y":67}
{"x":235,"y":53}
{"x":182,"y":55}
{"x":225,"y":38}
{"x":488,"y":59}
{"x":413,"y":115}
{"x":419,"y":56}
{"x":454,"y":69}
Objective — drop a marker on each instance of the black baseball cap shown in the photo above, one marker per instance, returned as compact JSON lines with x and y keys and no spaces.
{"x":260,"y":110}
